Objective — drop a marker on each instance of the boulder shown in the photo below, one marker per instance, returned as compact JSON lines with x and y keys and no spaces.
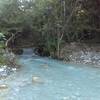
{"x":3,"y":86}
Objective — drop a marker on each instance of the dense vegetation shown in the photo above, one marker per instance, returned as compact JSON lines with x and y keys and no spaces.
{"x":49,"y":24}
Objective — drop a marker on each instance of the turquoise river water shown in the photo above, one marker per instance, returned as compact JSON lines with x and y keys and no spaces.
{"x":47,"y":79}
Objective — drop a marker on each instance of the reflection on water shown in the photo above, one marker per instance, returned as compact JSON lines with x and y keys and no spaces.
{"x":47,"y":79}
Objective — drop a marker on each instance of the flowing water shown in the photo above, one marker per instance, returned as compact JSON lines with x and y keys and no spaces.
{"x":47,"y":79}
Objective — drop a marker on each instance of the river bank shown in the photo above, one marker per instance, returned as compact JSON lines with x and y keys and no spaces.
{"x":8,"y":63}
{"x":81,"y":53}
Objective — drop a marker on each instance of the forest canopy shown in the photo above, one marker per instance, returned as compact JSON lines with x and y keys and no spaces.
{"x":50,"y":23}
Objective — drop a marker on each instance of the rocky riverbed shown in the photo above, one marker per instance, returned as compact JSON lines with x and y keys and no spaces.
{"x":6,"y":71}
{"x":81,"y":53}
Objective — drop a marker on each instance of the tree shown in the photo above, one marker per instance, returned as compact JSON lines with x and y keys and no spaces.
{"x":50,"y":23}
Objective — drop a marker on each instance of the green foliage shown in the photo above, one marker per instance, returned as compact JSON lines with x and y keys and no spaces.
{"x":51,"y":22}
{"x":2,"y":39}
{"x":2,"y":60}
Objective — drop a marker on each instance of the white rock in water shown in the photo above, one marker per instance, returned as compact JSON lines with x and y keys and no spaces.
{"x":3,"y":86}
{"x":36,"y":79}
{"x":2,"y":69}
{"x":14,"y":69}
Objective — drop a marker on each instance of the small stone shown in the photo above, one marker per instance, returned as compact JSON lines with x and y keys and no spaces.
{"x":36,"y":79}
{"x":2,"y":69}
{"x":3,"y":87}
{"x":14,"y":69}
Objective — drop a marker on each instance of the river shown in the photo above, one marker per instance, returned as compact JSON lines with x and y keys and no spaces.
{"x":47,"y":79}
